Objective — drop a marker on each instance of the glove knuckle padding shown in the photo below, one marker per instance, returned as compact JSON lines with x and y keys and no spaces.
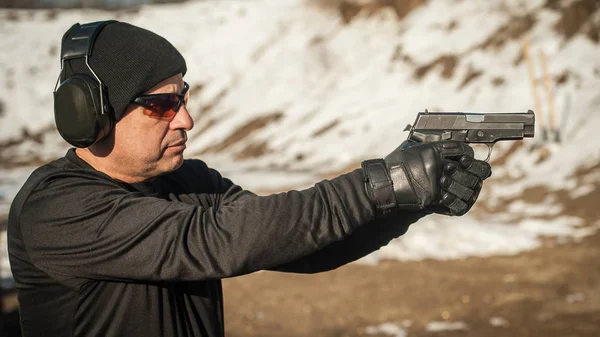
{"x":451,"y":205}
{"x":459,"y":190}
{"x":458,"y":207}
{"x":465,"y":178}
{"x":481,"y":169}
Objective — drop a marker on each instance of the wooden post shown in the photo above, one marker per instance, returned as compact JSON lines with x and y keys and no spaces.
{"x":548,"y":87}
{"x":536,"y":98}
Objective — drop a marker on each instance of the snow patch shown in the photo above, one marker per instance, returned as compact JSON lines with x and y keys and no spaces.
{"x":392,"y":329}
{"x":440,"y":326}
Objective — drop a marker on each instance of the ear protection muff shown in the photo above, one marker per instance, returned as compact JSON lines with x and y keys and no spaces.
{"x":81,"y":109}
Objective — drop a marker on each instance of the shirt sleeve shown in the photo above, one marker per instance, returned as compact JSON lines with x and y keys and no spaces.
{"x":76,"y":225}
{"x":358,"y":244}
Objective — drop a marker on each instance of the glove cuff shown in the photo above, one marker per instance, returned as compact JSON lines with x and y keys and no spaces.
{"x":379,"y":186}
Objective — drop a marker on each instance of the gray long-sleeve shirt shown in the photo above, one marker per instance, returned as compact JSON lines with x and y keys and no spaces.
{"x":92,"y":256}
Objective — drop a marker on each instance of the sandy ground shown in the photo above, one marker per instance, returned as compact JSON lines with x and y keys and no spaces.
{"x":551,"y":291}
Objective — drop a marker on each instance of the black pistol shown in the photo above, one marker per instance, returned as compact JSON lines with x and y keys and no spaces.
{"x":472,"y":127}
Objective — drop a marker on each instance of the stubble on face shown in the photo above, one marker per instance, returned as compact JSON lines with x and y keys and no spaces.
{"x":149,"y":148}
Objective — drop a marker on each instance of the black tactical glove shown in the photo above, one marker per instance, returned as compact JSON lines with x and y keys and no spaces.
{"x":441,"y":177}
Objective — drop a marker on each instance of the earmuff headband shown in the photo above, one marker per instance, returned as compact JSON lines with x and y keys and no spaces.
{"x":78,"y":42}
{"x":80,"y":39}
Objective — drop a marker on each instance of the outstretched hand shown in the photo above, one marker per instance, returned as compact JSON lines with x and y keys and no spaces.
{"x":441,"y":177}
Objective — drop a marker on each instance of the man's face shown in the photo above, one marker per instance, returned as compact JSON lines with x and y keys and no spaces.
{"x":151,"y":145}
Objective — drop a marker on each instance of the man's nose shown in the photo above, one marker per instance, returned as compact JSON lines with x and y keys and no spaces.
{"x":182,"y":120}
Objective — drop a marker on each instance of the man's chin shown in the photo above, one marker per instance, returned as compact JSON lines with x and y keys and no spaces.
{"x":172,"y":162}
{"x":178,"y":161}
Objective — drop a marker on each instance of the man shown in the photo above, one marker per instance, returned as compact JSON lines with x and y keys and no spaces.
{"x":126,"y":238}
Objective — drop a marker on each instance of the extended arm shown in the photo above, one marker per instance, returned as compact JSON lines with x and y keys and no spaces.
{"x":103,"y":231}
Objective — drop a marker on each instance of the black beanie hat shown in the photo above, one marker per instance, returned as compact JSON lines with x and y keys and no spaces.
{"x":129,"y":61}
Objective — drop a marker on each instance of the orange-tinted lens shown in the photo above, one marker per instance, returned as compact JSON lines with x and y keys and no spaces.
{"x":162,"y":106}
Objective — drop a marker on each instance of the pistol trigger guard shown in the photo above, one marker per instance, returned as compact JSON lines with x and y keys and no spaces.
{"x":490,"y":147}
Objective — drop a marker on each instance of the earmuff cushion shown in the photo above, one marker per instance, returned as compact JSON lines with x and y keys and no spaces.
{"x":77,"y":111}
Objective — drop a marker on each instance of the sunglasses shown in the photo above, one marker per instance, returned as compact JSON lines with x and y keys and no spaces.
{"x":163,"y":105}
